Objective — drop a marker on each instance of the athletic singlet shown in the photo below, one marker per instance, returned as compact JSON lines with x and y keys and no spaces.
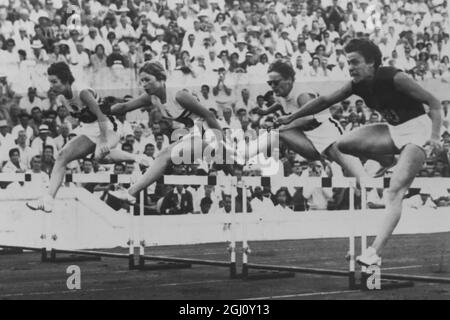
{"x":174,"y":110}
{"x":290,"y":106}
{"x":382,"y":96}
{"x":78,"y":110}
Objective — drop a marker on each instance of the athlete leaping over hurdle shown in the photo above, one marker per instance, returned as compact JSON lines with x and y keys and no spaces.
{"x":96,"y":134}
{"x":180,"y":106}
{"x":400,"y":100}
{"x":311,"y":137}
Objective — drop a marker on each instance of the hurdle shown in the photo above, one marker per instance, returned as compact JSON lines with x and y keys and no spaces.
{"x":383,"y":183}
{"x":48,"y":252}
{"x":349,"y":183}
{"x":202,"y":181}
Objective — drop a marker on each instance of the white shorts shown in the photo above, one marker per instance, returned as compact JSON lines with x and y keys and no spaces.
{"x":325,"y":135}
{"x":416,"y":131}
{"x":91,"y":130}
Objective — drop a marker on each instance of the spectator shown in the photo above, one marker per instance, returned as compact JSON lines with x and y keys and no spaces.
{"x":283,"y":200}
{"x":63,"y":138}
{"x":79,"y":57}
{"x":39,"y":55}
{"x":177,"y":201}
{"x":14,"y":164}
{"x":48,"y":160}
{"x":317,"y":197}
{"x":205,"y":98}
{"x":92,"y":40}
{"x":205,"y":205}
{"x":116,"y":58}
{"x":156,"y":130}
{"x":30,"y":100}
{"x":26,"y":153}
{"x":43,"y":140}
{"x":6,"y":140}
{"x":24,"y":119}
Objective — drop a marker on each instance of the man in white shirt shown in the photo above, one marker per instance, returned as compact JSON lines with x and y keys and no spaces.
{"x":23,"y":41}
{"x":79,"y":57}
{"x":24,"y":22}
{"x":284,"y":45}
{"x":14,"y":164}
{"x":26,"y":153}
{"x":43,"y":139}
{"x":63,"y":138}
{"x":30,"y":101}
{"x":185,"y":22}
{"x":24,"y":119}
{"x":6,"y":140}
{"x":124,"y":28}
{"x":224,"y":43}
{"x":92,"y":40}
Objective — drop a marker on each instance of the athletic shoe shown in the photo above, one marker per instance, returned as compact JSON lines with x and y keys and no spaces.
{"x":123,"y":195}
{"x":369,"y":258}
{"x":44,"y":204}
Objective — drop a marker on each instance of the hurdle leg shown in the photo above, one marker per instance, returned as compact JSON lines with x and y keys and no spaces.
{"x":73,"y":257}
{"x":385,"y":284}
{"x":261,"y":275}
{"x":131,"y":264}
{"x":351,"y":252}
{"x":141,"y":236}
{"x":233,"y":273}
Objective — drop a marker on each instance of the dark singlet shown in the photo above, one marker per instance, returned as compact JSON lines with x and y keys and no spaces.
{"x":395,"y":106}
{"x":87,"y":116}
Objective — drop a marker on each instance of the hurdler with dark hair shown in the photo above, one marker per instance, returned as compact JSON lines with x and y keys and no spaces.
{"x":400,"y":100}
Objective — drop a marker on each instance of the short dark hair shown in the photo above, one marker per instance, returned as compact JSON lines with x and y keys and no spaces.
{"x":205,"y":200}
{"x":282,"y":67}
{"x":154,"y":68}
{"x":126,"y":144}
{"x":62,"y":71}
{"x":12,"y":150}
{"x":369,"y":50}
{"x":47,"y":146}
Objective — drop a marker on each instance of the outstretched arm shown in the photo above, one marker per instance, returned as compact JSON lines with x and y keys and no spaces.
{"x":272,"y":109}
{"x":408,"y":86}
{"x":144,"y":100}
{"x":187,"y":101}
{"x":319,"y":104}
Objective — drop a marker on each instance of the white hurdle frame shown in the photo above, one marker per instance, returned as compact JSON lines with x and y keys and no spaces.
{"x":418,"y":183}
{"x":342,"y":182}
{"x":47,"y":236}
{"x":202,"y":181}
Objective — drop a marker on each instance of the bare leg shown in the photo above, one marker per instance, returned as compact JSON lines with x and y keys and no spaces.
{"x":351,"y":165}
{"x":409,"y":164}
{"x":77,"y":148}
{"x":375,"y":139}
{"x":372,"y":141}
{"x":293,"y":137}
{"x":297,"y":141}
{"x":161,"y":162}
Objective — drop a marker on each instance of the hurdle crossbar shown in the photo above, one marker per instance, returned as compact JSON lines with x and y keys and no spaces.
{"x":297,"y":182}
{"x":418,"y":183}
{"x":427,"y":279}
{"x":92,"y":253}
{"x":187,"y":262}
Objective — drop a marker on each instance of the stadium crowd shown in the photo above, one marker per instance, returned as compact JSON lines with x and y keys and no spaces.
{"x":207,"y":42}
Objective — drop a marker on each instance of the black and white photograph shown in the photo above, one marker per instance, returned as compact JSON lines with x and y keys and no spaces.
{"x":240,"y":151}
